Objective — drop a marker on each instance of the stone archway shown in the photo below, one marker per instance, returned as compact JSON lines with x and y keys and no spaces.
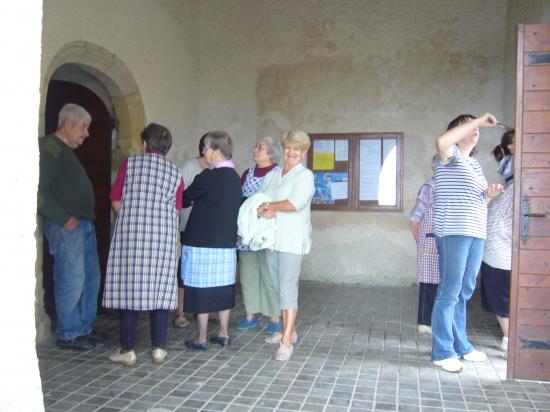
{"x":129,"y":112}
{"x":116,"y":78}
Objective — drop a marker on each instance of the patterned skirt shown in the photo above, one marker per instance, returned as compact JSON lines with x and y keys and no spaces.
{"x":203,"y":267}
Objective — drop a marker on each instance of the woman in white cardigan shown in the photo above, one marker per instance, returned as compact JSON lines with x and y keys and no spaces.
{"x":290,"y":190}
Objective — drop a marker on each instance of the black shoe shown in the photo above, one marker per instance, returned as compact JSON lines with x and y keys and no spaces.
{"x":94,"y":338}
{"x":220,"y":340}
{"x":77,"y":344}
{"x":193,"y":344}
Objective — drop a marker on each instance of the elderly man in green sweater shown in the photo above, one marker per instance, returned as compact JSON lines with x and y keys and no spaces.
{"x":67,"y":205}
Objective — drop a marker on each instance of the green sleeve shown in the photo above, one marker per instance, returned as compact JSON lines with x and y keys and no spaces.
{"x":50,"y":163}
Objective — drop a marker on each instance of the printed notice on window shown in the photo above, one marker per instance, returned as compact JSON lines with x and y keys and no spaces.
{"x":341,"y":150}
{"x":330,"y":187}
{"x":369,"y":168}
{"x":323,"y":154}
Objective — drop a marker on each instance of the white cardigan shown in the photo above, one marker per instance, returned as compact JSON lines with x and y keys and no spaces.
{"x":255,"y":232}
{"x":293,"y":234}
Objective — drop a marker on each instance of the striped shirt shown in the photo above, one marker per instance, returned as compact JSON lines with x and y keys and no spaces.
{"x":460,"y":207}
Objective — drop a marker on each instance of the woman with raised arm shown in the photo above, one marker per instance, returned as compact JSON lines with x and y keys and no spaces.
{"x":461,"y":196}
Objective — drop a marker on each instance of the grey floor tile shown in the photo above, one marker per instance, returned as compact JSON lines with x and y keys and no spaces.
{"x":358,"y":350}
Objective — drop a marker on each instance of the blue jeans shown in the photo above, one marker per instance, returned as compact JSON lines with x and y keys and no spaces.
{"x":459,"y":262}
{"x":76,"y":277}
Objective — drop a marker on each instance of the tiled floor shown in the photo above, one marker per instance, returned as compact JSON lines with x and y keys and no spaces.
{"x":357,"y":350}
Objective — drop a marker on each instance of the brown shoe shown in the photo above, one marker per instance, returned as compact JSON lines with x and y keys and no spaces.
{"x":181,"y":322}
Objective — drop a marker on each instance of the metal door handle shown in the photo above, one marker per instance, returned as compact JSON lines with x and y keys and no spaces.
{"x":535,"y":215}
{"x":525,"y":217}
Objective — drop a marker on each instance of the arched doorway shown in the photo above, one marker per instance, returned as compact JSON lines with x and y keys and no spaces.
{"x":95,"y":156}
{"x":124,"y":103}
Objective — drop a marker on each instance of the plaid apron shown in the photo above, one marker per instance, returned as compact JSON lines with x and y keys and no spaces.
{"x":143,"y":258}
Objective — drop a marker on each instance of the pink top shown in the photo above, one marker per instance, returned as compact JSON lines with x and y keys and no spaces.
{"x":223,"y":163}
{"x":116,"y":191}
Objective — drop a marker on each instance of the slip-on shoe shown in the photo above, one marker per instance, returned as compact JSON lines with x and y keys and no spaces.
{"x":220,"y":340}
{"x":76,"y":344}
{"x":193,"y":344}
{"x":94,"y":338}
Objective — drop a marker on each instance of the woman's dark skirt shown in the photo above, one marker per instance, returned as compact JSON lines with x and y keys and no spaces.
{"x":208,"y":300}
{"x":495,"y":290}
{"x":426,"y":298}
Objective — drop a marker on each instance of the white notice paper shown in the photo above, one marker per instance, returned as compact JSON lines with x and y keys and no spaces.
{"x":341,"y":151}
{"x":369,"y":168}
{"x":339,"y":190}
{"x":323,"y":146}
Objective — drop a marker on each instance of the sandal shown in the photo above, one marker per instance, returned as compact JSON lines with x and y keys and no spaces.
{"x":181,"y":322}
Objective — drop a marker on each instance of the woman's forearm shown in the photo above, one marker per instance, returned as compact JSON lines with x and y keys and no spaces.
{"x":445,"y":142}
{"x":282,"y":206}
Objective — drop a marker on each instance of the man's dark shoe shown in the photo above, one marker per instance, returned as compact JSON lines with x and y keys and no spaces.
{"x":94,"y":338}
{"x":220,"y":340}
{"x":76,"y":344}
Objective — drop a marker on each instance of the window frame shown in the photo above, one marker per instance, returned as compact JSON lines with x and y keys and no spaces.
{"x":353,"y":170}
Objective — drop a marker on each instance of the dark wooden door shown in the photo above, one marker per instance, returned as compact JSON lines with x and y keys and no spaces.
{"x":529,"y":352}
{"x":95,"y":156}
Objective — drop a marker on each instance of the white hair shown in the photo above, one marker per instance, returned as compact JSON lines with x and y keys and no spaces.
{"x":72,"y":113}
{"x":274,"y":148}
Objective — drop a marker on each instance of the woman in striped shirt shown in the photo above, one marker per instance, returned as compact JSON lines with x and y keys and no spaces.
{"x":461,"y":195}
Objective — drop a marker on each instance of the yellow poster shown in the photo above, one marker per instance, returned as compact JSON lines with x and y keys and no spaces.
{"x":323,"y":161}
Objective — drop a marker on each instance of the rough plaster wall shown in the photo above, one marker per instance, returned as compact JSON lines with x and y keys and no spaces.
{"x":20,"y":28}
{"x":519,"y":12}
{"x":155,"y":41}
{"x":351,"y":66}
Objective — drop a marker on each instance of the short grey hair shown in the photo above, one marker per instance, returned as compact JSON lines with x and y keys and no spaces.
{"x":274,"y":148}
{"x":220,"y":140}
{"x":72,"y":113}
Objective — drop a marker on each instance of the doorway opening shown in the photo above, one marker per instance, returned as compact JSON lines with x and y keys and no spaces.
{"x":95,"y":156}
{"x":111,"y":95}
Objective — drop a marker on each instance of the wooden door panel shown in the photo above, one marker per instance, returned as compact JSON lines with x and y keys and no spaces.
{"x":534,"y":261}
{"x":536,"y":143}
{"x":533,"y":363}
{"x":536,"y":122}
{"x":534,"y":317}
{"x":534,"y":332}
{"x":534,"y":298}
{"x":535,"y":182}
{"x":536,"y":160}
{"x":535,"y":243}
{"x":537,"y":77}
{"x":537,"y":100}
{"x":537,"y":37}
{"x":541,"y":281}
{"x":529,"y":334}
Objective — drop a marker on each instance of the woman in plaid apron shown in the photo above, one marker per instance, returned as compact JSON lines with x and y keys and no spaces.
{"x":422,"y":222}
{"x":142,"y":265}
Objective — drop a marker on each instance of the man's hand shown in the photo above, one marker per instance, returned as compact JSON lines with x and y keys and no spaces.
{"x":71,"y":224}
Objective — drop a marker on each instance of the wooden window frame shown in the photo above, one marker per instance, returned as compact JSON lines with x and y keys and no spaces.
{"x":353,"y":202}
